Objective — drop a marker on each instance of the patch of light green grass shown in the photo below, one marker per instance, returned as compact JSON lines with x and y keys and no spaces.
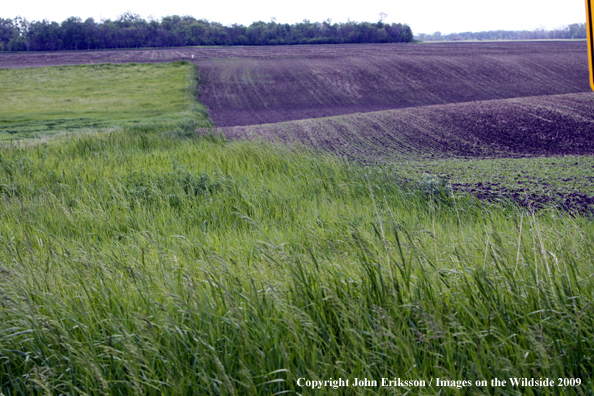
{"x":42,"y":101}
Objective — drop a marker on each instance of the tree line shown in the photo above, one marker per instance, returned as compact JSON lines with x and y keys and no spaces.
{"x":131,"y":31}
{"x":573,"y":31}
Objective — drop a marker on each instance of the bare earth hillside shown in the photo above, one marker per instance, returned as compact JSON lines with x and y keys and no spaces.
{"x":532,"y":126}
{"x":258,"y":90}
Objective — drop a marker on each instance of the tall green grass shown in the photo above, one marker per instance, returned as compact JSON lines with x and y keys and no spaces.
{"x":142,"y":262}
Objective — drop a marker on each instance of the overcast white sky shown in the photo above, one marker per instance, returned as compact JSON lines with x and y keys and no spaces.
{"x":428,"y":16}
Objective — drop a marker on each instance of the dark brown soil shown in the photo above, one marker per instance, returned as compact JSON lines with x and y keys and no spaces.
{"x":532,"y":126}
{"x":253,"y":90}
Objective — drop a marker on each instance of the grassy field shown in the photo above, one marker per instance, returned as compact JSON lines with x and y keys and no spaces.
{"x":43,"y":101}
{"x":150,"y":261}
{"x":139,"y":263}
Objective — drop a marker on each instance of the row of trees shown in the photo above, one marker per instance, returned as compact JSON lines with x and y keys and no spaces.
{"x":573,"y":31}
{"x":131,"y":31}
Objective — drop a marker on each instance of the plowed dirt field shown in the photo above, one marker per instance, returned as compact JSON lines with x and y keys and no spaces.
{"x":519,"y":127}
{"x":252,"y":90}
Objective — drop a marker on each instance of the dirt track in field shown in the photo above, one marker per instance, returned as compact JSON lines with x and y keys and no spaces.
{"x":56,"y":58}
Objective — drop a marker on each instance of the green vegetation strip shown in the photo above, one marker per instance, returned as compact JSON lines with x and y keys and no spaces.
{"x":567,"y":174}
{"x":553,"y":181}
{"x":42,"y":101}
{"x":144,"y":263}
